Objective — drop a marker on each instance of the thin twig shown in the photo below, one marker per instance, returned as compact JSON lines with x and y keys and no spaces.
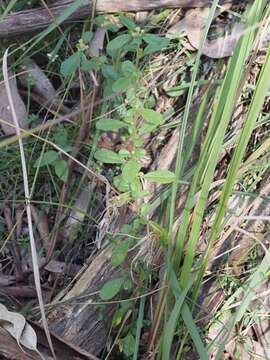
{"x":28,"y":208}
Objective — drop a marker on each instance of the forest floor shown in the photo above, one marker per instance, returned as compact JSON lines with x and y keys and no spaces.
{"x":134,"y":180}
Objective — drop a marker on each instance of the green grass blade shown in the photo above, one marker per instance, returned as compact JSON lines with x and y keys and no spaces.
{"x":180,"y":158}
{"x":172,"y":322}
{"x":139,"y":328}
{"x":253,"y":114}
{"x":58,"y":21}
{"x":193,"y":331}
{"x":227,"y":99}
{"x":9,"y":7}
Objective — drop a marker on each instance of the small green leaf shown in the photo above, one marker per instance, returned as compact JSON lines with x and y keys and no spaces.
{"x":147,"y":128}
{"x":71,"y":64}
{"x":120,"y":252}
{"x":136,"y":188}
{"x":88,"y":65}
{"x":128,"y":285}
{"x":160,"y":176}
{"x":127,"y":22}
{"x":111,"y":288}
{"x":61,"y":169}
{"x":123,"y":83}
{"x":130,"y":170}
{"x":155,"y":43}
{"x":128,"y":344}
{"x":134,"y":44}
{"x":117,"y":317}
{"x":61,"y":136}
{"x":110,"y":125}
{"x":48,"y":158}
{"x":128,"y":68}
{"x":108,"y":157}
{"x":154,"y":39}
{"x":151,"y":116}
{"x":145,"y":209}
{"x":117,"y":44}
{"x":124,"y":153}
{"x":92,"y":64}
{"x":108,"y":71}
{"x":139,"y":153}
{"x":121,"y":184}
{"x":87,"y":36}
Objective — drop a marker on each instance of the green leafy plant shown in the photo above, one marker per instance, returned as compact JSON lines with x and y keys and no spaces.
{"x":53,"y":159}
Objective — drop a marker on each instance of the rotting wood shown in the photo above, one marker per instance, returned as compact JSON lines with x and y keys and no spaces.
{"x":76,"y":319}
{"x":28,"y":21}
{"x":9,"y":348}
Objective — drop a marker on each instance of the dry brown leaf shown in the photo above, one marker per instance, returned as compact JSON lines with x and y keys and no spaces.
{"x":193,"y":26}
{"x":5,"y":111}
{"x":18,"y":328}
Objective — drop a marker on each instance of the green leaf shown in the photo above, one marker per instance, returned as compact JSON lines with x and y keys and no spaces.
{"x":117,"y":317}
{"x":122,"y":83}
{"x":128,"y":344}
{"x":130,"y":170}
{"x":127,"y":22}
{"x":61,"y":136}
{"x":128,"y":68}
{"x":61,"y":169}
{"x":108,"y":157}
{"x":121,"y":184}
{"x":139,"y":153}
{"x":155,"y":43}
{"x":145,"y":209}
{"x":89,"y":65}
{"x":124,"y":153}
{"x":48,"y":158}
{"x":108,"y":71}
{"x":110,"y":125}
{"x":151,"y":116}
{"x":71,"y":64}
{"x":134,"y":44}
{"x":87,"y":36}
{"x":136,"y":188}
{"x":111,"y":288}
{"x":154,"y":39}
{"x":147,"y":128}
{"x":160,"y":176}
{"x":117,"y":44}
{"x":120,"y":252}
{"x":92,"y":64}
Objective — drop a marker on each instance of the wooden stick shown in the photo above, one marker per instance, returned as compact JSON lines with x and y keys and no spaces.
{"x":28,"y":21}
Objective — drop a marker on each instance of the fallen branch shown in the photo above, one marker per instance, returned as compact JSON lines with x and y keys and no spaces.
{"x":28,"y":21}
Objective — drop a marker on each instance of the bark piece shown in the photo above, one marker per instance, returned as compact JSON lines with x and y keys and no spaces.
{"x":10,"y":349}
{"x":78,"y":321}
{"x":22,"y":22}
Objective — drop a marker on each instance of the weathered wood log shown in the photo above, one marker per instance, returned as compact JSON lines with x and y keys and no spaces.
{"x":9,"y":349}
{"x":78,"y":320}
{"x":28,"y":21}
